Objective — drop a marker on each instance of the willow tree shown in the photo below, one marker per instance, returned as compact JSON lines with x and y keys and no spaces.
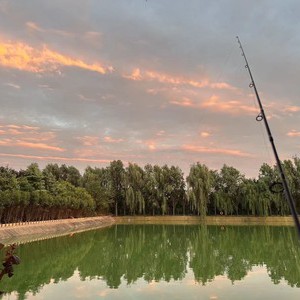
{"x":228,"y":190}
{"x":249,"y":194}
{"x":296,"y":181}
{"x":160,"y":188}
{"x":117,"y":176}
{"x":267,"y":202}
{"x":134,"y":180}
{"x":174,"y":187}
{"x":150,"y":190}
{"x":97,"y":183}
{"x":198,"y":188}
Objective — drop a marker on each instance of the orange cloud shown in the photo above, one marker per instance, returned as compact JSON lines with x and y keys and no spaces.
{"x":55,"y":158}
{"x":202,"y":149}
{"x":24,"y":144}
{"x":34,"y":27}
{"x":19,"y":127}
{"x":185,"y":102}
{"x":26,"y":133}
{"x":27,"y":137}
{"x":38,"y":146}
{"x":89,"y":140}
{"x":232,"y":106}
{"x":293,"y":133}
{"x":135,"y":75}
{"x":151,"y":144}
{"x":205,"y":134}
{"x":215,"y":104}
{"x":138,"y":75}
{"x":109,"y":139}
{"x":23,"y":57}
{"x":292,"y":108}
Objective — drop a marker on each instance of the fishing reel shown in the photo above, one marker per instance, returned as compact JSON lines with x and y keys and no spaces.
{"x":10,"y":260}
{"x":8,"y":265}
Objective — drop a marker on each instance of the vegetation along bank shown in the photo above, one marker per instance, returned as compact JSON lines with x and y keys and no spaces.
{"x":60,"y":192}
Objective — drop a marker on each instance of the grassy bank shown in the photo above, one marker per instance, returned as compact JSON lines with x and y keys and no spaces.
{"x":209,"y":220}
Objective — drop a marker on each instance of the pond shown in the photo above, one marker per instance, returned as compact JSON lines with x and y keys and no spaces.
{"x":160,"y":262}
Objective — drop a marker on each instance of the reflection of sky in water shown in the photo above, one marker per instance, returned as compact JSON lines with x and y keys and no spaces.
{"x":256,"y":285}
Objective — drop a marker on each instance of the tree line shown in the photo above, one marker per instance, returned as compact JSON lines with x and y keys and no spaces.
{"x":63,"y":192}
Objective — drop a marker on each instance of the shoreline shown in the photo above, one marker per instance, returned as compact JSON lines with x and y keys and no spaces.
{"x":33,"y":231}
{"x":208,"y":220}
{"x":23,"y":233}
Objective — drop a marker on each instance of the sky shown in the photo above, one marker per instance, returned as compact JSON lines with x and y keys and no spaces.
{"x":87,"y":82}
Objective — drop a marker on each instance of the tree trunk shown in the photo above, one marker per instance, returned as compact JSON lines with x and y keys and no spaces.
{"x":116,"y":208}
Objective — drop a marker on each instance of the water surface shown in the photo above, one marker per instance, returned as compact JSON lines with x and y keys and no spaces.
{"x":161,"y":262}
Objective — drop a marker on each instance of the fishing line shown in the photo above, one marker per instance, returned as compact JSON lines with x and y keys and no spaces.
{"x":263,"y":133}
{"x":219,"y":76}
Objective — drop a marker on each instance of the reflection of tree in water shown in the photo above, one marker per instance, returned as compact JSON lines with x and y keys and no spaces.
{"x":151,"y":252}
{"x":155,"y":252}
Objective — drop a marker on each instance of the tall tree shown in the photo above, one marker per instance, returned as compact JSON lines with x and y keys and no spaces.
{"x":35,"y":177}
{"x":198,"y":188}
{"x":134,"y":180}
{"x":117,"y":176}
{"x":228,"y":190}
{"x":96,"y":181}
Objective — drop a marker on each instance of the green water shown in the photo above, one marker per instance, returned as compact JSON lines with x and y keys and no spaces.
{"x":160,"y":262}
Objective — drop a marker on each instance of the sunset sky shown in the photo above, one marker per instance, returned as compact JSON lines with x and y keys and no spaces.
{"x":158,"y":81}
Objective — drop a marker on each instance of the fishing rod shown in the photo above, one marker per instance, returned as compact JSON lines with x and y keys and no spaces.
{"x":262,"y":117}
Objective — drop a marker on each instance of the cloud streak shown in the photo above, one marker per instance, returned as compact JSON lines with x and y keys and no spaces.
{"x":24,"y":144}
{"x":56,"y":158}
{"x":23,"y":136}
{"x":139,"y":75}
{"x":23,"y":57}
{"x":203,"y":149}
{"x":293,"y":133}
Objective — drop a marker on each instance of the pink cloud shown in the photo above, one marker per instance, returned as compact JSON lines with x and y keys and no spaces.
{"x":294,"y":133}
{"x":19,"y":127}
{"x":292,"y":108}
{"x":203,"y":149}
{"x":31,"y":26}
{"x":147,"y":75}
{"x":88,"y":140}
{"x":232,"y":106}
{"x":109,"y":139}
{"x":24,"y":144}
{"x":55,"y":158}
{"x":18,"y":55}
{"x":151,"y":144}
{"x":28,"y":137}
{"x":185,"y":102}
{"x":205,"y":134}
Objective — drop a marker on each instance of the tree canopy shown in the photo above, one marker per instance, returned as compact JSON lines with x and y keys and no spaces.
{"x":63,"y":192}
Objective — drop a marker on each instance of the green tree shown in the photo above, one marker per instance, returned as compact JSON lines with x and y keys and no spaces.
{"x":117,"y":191}
{"x":134,"y":181}
{"x":97,"y":183}
{"x":228,"y":190}
{"x":198,"y":188}
{"x":34,"y":177}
